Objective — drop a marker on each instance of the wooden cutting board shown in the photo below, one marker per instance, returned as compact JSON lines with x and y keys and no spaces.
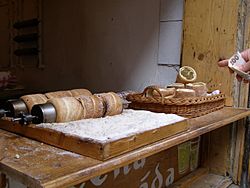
{"x":92,"y":147}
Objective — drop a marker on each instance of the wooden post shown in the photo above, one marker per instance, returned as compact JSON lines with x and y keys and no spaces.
{"x":3,"y":180}
{"x":245,"y":163}
{"x":215,"y":30}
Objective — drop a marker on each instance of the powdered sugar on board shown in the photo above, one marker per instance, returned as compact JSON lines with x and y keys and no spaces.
{"x":110,"y":128}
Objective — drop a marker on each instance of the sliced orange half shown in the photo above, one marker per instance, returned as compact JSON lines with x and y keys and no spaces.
{"x":187,"y":74}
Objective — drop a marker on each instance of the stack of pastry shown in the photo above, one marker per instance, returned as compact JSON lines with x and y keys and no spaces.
{"x":86,"y":106}
{"x":196,"y":89}
{"x":200,"y":88}
{"x":187,"y":87}
{"x":77,"y":104}
{"x":156,"y":91}
{"x":177,"y":90}
{"x":169,"y":92}
{"x":33,"y":99}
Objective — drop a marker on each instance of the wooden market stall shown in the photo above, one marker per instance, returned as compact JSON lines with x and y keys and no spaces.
{"x":211,"y":30}
{"x":47,"y":166}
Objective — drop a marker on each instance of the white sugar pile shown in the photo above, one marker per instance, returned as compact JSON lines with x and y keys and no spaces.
{"x":129,"y":123}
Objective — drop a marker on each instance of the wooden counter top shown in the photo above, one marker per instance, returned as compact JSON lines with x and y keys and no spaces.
{"x":40,"y":165}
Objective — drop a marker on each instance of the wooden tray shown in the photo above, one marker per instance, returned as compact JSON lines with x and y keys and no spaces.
{"x":94,"y":148}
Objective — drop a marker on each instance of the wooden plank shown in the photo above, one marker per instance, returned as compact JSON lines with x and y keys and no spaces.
{"x":244,"y":36}
{"x":3,"y":180}
{"x":202,"y":178}
{"x":218,"y":151}
{"x":38,"y":162}
{"x":215,"y":30}
{"x":188,"y":180}
{"x":210,"y":33}
{"x":94,"y":148}
{"x":204,"y":158}
{"x":212,"y":180}
{"x":239,"y":151}
{"x":221,"y":117}
{"x":136,"y":141}
{"x":43,"y":165}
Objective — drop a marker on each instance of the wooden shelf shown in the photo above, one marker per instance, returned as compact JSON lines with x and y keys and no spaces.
{"x":36,"y":168}
{"x":26,"y":52}
{"x":26,"y":38}
{"x":26,"y":23}
{"x":202,"y":178}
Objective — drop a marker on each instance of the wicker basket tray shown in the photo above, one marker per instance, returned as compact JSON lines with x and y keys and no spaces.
{"x":187,"y":107}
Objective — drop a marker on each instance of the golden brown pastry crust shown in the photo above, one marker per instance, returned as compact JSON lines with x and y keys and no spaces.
{"x":157,"y":91}
{"x":67,"y":109}
{"x":78,"y":92}
{"x":112,"y":102}
{"x":165,"y":92}
{"x":58,"y":94}
{"x":31,"y":100}
{"x":200,"y":88}
{"x":183,"y":93}
{"x":93,"y":106}
{"x":176,"y":85}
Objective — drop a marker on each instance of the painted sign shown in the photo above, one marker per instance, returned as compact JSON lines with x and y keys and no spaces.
{"x":159,"y":170}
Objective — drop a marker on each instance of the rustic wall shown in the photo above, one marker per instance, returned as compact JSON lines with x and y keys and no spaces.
{"x":4,"y":33}
{"x":100,"y":45}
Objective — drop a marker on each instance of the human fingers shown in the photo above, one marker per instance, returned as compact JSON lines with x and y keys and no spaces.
{"x":239,"y":78}
{"x":245,"y":67}
{"x":246,"y":81}
{"x":246,"y":54}
{"x":223,"y":63}
{"x":231,"y":71}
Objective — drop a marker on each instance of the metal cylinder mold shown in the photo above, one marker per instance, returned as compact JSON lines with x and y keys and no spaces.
{"x":44,"y":113}
{"x":15,"y":106}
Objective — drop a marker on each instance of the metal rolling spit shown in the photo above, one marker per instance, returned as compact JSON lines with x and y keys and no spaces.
{"x":64,"y":109}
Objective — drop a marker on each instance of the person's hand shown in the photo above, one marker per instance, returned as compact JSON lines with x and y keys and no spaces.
{"x":245,"y":68}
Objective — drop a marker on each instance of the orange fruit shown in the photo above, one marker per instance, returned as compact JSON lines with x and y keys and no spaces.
{"x":187,"y":74}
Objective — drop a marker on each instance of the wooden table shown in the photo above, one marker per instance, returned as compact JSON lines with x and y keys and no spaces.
{"x":41,"y":165}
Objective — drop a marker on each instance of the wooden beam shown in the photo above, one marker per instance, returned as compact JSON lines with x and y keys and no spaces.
{"x":241,"y":97}
{"x":3,"y":180}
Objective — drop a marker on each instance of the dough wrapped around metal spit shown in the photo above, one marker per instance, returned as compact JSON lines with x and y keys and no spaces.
{"x":78,"y":92}
{"x":112,"y":102}
{"x":31,"y":100}
{"x":67,"y":109}
{"x":58,"y":94}
{"x":93,"y":106}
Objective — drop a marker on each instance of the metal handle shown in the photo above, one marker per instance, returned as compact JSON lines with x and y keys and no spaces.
{"x":24,"y":119}
{"x":3,"y":112}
